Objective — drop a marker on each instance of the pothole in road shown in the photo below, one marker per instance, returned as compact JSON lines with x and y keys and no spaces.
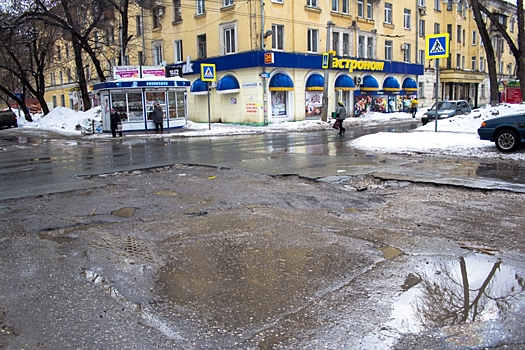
{"x":124,"y":212}
{"x":65,"y":234}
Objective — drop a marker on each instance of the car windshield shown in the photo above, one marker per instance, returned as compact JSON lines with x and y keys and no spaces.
{"x":445,"y":106}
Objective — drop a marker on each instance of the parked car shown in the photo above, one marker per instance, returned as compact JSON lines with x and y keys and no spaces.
{"x":508,"y":132}
{"x":8,"y":119}
{"x":446,"y":109}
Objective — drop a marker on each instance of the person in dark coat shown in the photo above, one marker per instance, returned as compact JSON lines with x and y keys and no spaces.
{"x":114,"y":118}
{"x":158,"y":117}
{"x":340,"y":115}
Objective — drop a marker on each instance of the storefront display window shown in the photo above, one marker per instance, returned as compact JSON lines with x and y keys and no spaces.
{"x":119,"y":103}
{"x":279,"y":103}
{"x":313,"y":103}
{"x":176,"y":104}
{"x":136,"y":112}
{"x":151,"y":99}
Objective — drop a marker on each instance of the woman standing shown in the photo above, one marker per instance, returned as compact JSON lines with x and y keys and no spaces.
{"x":158,"y":117}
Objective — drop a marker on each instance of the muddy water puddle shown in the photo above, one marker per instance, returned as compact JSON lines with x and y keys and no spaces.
{"x":462,"y":297}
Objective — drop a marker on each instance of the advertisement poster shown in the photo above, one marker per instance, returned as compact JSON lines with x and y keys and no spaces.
{"x":126,"y":72}
{"x":513,"y":92}
{"x":313,"y":103}
{"x":153,"y":72}
{"x":251,"y":107}
{"x":278,"y":103}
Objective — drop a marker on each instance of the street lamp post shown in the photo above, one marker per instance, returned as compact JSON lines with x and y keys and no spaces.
{"x":324,"y":109}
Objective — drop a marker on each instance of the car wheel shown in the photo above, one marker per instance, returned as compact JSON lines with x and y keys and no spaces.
{"x":507,"y":141}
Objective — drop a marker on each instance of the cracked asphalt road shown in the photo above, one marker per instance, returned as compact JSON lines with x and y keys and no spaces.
{"x":192,"y":257}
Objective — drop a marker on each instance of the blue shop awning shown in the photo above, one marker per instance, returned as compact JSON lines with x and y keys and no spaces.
{"x":281,"y":82}
{"x":228,"y":85}
{"x":369,"y":84}
{"x":345,"y":83}
{"x":409,"y":85}
{"x":315,"y":82}
{"x":198,"y":87}
{"x":391,"y":84}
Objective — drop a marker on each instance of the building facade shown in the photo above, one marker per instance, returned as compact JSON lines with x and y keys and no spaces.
{"x":269,"y":54}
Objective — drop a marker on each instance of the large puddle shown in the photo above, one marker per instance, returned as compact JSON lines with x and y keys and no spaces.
{"x":459,"y":296}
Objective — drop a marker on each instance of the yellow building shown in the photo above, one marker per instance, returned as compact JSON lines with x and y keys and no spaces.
{"x":268,"y":55}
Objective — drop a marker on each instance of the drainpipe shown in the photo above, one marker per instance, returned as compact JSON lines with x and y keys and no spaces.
{"x":265,"y":103}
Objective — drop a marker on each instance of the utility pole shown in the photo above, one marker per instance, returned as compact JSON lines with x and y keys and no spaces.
{"x":324,"y":110}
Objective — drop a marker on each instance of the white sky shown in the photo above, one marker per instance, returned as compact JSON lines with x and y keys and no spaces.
{"x":455,"y":136}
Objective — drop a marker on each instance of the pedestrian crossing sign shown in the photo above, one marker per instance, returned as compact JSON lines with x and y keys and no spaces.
{"x":208,"y":72}
{"x":438,"y":46}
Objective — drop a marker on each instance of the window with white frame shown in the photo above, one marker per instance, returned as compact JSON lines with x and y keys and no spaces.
{"x":59,"y":53}
{"x":360,"y":9}
{"x":421,"y":3}
{"x":155,"y":18}
{"x":346,"y":44}
{"x":482,"y":90}
{"x":335,"y":5}
{"x":126,"y":60}
{"x":474,"y":38}
{"x":388,"y":50}
{"x":474,"y":61}
{"x":226,"y":3}
{"x":344,"y":5}
{"x":201,"y":46}
{"x":361,"y":42}
{"x":406,"y":18}
{"x":509,"y":69}
{"x":277,"y":37}
{"x":335,"y":43}
{"x":66,"y":48}
{"x":482,"y":64}
{"x":501,"y":67}
{"x":370,"y":47}
{"x":69,"y":76}
{"x":53,"y":79}
{"x":311,"y":3}
{"x":406,"y":52}
{"x":388,"y":13}
{"x":437,"y":28}
{"x":157,"y":54}
{"x":177,"y":11}
{"x":140,"y":57}
{"x":437,"y":5}
{"x":369,"y":10}
{"x":200,"y":7}
{"x":421,"y":28}
{"x":458,"y":61}
{"x":229,"y":38}
{"x":463,"y":62}
{"x":458,"y":33}
{"x":61,"y":78}
{"x":421,"y":89}
{"x":88,"y":73}
{"x":421,"y":57}
{"x":177,"y":46}
{"x":512,"y":24}
{"x":313,"y":40}
{"x":138,"y":25}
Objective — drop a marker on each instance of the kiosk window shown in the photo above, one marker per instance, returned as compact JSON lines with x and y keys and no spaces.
{"x":136,"y":112}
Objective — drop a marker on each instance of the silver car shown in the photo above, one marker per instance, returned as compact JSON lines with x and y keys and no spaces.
{"x":446,"y":109}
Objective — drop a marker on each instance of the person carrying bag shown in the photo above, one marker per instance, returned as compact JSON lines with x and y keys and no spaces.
{"x":340,"y":115}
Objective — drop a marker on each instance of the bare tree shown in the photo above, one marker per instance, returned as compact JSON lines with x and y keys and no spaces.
{"x":517,"y":47}
{"x":24,"y":60}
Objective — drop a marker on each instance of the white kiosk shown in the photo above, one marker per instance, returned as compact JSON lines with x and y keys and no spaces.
{"x":134,"y":99}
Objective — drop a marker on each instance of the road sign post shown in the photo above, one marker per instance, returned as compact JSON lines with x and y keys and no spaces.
{"x":437,"y":46}
{"x":208,"y":73}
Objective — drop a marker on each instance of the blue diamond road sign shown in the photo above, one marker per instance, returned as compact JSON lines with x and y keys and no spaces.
{"x":437,"y":46}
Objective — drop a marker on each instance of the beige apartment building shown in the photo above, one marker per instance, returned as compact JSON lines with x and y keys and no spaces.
{"x":269,"y":62}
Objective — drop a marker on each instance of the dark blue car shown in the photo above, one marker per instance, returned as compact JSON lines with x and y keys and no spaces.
{"x":507,"y":132}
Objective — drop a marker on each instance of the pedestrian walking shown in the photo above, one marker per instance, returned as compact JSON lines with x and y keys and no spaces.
{"x":158,"y":117}
{"x":413,"y":107}
{"x":340,"y":115}
{"x":115,"y":121}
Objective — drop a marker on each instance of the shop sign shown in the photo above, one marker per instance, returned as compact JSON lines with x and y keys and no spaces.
{"x":264,"y":75}
{"x":153,"y":71}
{"x":268,"y":58}
{"x":351,"y":65}
{"x":251,"y":107}
{"x":513,"y":95}
{"x":120,"y":72}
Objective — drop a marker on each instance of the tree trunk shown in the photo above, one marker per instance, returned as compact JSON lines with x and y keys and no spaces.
{"x":489,"y":51}
{"x":82,"y":83}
